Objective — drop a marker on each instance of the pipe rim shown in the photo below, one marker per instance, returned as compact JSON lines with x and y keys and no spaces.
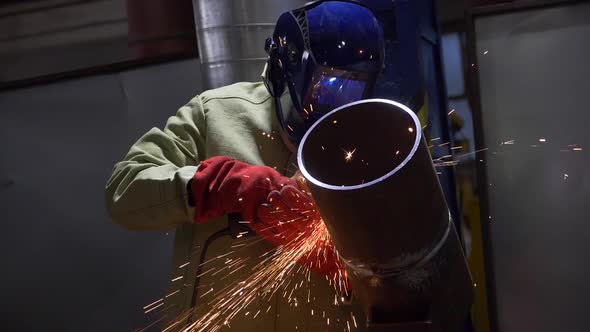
{"x":411,"y":154}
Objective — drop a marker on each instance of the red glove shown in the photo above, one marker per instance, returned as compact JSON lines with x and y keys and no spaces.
{"x":290,"y":218}
{"x":223,"y":185}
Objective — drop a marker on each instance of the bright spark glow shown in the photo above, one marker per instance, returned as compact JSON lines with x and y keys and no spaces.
{"x":452,"y":111}
{"x":176,"y":279}
{"x":151,"y":304}
{"x":348,"y":155}
{"x":485,"y":52}
{"x":542,"y":140}
{"x":335,"y":121}
{"x":171,"y":294}
{"x":577,"y":149}
{"x":273,"y":274}
{"x":154,"y":308}
{"x":411,"y":129}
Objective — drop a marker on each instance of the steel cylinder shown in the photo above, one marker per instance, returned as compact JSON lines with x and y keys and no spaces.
{"x":231,"y":36}
{"x":371,"y":174}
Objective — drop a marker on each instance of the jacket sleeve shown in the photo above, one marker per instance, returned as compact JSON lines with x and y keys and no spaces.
{"x":147,"y":190}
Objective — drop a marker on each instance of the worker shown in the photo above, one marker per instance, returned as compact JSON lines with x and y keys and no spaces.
{"x":221,"y":156}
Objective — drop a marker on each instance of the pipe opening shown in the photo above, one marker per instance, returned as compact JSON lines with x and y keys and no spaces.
{"x":359,"y":144}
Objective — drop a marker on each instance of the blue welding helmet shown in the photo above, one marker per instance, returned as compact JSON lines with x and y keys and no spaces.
{"x":322,"y":56}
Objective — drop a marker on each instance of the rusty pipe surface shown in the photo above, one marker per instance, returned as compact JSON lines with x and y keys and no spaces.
{"x":371,"y":174}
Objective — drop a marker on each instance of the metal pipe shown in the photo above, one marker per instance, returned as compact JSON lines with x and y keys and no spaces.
{"x":231,"y":35}
{"x":370,"y":172}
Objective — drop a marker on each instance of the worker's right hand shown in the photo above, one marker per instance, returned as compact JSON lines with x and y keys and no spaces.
{"x":224,"y":185}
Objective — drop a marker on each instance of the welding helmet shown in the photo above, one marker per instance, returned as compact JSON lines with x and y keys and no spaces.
{"x":321,"y":56}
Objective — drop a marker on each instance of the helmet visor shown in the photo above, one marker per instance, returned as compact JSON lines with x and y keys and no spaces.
{"x":331,"y":88}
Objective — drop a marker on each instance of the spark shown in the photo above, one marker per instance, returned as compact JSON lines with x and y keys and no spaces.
{"x":184,"y":265}
{"x":542,"y":140}
{"x":151,"y":304}
{"x":348,"y":155}
{"x":577,"y":149}
{"x":271,"y":275}
{"x":485,"y":52}
{"x":452,"y":111}
{"x":457,"y":148}
{"x":335,"y":121}
{"x":396,"y":152}
{"x":472,"y":153}
{"x":171,"y":294}
{"x":411,"y":129}
{"x":290,"y":127}
{"x":176,"y":279}
{"x":154,"y":308}
{"x":211,"y":269}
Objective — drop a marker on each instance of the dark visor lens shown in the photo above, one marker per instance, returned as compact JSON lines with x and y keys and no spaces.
{"x":332,"y":88}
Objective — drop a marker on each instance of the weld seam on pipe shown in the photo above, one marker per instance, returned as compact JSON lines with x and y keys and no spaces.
{"x":387,"y":270}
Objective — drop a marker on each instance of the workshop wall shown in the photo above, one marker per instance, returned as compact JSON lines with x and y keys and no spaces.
{"x":65,"y":265}
{"x":534,"y":79}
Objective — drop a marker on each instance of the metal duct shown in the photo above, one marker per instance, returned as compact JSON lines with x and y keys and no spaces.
{"x":371,"y":174}
{"x":231,"y":35}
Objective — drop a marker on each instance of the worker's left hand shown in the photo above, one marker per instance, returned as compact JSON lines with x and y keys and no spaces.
{"x":290,"y":218}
